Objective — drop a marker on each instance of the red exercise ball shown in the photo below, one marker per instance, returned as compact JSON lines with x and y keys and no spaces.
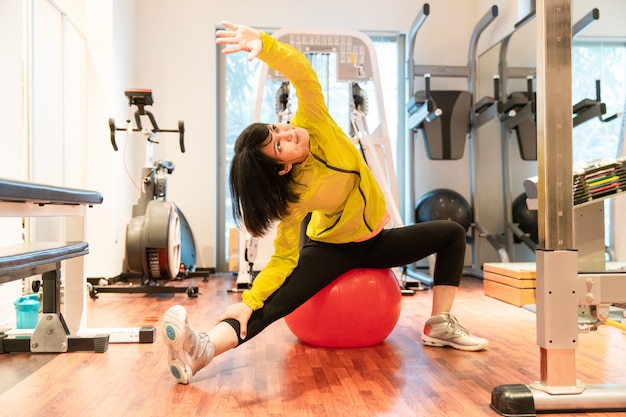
{"x":359,"y":308}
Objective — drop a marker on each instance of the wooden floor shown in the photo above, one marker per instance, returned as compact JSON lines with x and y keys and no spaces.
{"x":275,"y":375}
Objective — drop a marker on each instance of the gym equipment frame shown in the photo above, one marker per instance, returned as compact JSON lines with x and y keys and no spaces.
{"x":560,"y":287}
{"x":516,"y":112}
{"x":423,"y":110}
{"x":158,"y":232}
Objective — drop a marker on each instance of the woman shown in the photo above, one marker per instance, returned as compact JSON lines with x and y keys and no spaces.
{"x":282,"y":172}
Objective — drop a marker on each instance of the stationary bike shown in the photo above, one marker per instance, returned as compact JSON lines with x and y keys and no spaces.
{"x":159,"y":242}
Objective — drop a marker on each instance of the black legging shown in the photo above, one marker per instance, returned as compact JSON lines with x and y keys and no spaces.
{"x":320,"y":263}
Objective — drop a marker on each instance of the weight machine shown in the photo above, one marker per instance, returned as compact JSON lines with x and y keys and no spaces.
{"x":159,"y":242}
{"x":561,"y":287}
{"x":446,"y":119}
{"x":516,"y":113}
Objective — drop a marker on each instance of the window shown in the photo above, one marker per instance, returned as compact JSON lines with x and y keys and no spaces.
{"x":241,"y":80}
{"x":594,"y":140}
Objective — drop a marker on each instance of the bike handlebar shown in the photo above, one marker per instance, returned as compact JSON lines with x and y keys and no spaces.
{"x":155,"y":130}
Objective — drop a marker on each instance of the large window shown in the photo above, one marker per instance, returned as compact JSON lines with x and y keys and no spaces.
{"x":241,"y":83}
{"x":595,"y":139}
{"x":591,"y":61}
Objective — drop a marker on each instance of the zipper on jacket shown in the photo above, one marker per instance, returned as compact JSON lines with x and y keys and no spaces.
{"x":345,"y":171}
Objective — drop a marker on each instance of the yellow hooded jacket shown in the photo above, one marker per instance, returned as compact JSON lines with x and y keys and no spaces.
{"x":335,"y":183}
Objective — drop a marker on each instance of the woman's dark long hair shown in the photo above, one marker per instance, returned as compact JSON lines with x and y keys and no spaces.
{"x":259,"y":194}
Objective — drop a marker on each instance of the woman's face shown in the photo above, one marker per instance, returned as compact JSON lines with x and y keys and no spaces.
{"x":286,"y":144}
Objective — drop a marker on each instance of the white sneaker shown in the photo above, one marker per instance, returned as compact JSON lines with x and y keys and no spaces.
{"x":189,"y":351}
{"x":445,"y":330}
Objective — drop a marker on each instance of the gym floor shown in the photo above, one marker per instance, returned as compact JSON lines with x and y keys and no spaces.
{"x":276,"y":375}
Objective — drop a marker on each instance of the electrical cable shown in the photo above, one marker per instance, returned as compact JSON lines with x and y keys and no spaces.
{"x":128,"y":130}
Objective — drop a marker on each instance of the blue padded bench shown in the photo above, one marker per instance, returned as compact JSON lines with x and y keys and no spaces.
{"x":44,"y":258}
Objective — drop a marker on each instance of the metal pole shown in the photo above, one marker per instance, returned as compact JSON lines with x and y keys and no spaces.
{"x":557,"y":261}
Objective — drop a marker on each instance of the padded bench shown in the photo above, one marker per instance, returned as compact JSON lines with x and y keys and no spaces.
{"x":52,"y":334}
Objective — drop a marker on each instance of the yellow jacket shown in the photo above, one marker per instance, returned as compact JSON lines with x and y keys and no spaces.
{"x":335,"y":183}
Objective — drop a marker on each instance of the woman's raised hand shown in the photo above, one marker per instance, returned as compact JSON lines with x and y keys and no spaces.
{"x":242,"y":38}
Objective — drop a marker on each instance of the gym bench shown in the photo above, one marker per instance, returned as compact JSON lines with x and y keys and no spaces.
{"x":54,"y":332}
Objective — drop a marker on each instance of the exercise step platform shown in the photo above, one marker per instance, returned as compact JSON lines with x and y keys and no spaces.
{"x":511,"y":282}
{"x":516,"y":282}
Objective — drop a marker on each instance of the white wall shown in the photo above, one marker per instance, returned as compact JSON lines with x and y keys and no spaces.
{"x":109,"y":29}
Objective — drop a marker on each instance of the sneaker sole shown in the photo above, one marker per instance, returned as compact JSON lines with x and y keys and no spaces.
{"x":429,"y":341}
{"x":173,"y":332}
